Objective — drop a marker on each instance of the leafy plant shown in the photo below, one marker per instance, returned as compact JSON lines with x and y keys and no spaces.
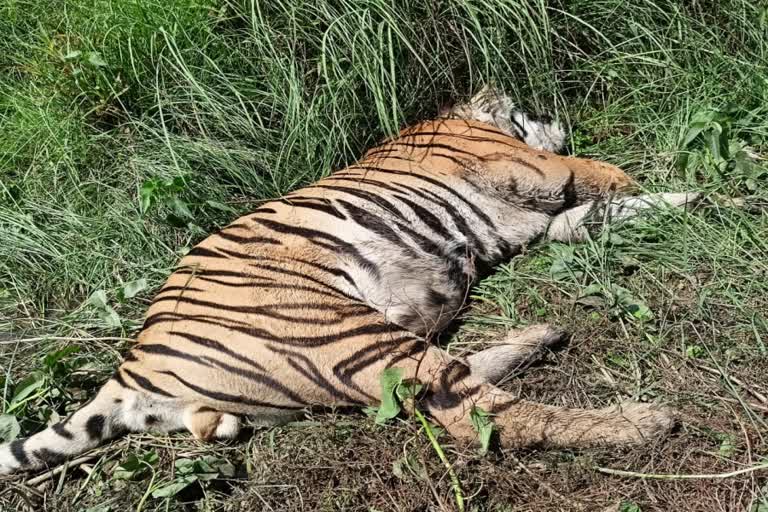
{"x":136,"y":467}
{"x":189,"y":471}
{"x":42,"y":391}
{"x":106,"y":313}
{"x":394,"y":389}
{"x":9,"y":428}
{"x":713,"y":143}
{"x":629,"y":506}
{"x":617,"y":298}
{"x":170,"y":194}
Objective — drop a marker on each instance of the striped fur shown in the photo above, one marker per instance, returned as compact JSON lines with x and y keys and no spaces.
{"x":305,"y":301}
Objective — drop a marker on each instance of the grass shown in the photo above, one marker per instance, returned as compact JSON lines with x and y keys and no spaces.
{"x":129,"y":129}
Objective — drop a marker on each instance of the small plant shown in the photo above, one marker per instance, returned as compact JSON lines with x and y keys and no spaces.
{"x":617,"y":298}
{"x":167,"y":192}
{"x":189,"y":471}
{"x":136,"y":467}
{"x":395,"y":390}
{"x":36,"y":398}
{"x":629,"y":506}
{"x":713,"y":144}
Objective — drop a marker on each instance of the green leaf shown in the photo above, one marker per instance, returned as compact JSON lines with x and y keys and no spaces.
{"x":133,"y":288}
{"x":174,"y":487}
{"x":389,"y":380}
{"x":94,"y":59}
{"x":9,"y":428}
{"x":52,"y":358}
{"x":136,"y":467}
{"x":26,"y":387}
{"x":408,"y":389}
{"x":98,"y":299}
{"x":181,"y":209}
{"x":727,"y":446}
{"x":148,"y":195}
{"x":74,"y":54}
{"x":409,"y":466}
{"x":483,"y":425}
{"x":629,"y":506}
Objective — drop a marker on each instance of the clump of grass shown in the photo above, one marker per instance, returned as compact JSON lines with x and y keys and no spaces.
{"x":129,"y":130}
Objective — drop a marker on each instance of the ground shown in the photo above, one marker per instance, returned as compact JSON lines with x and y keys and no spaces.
{"x":131,"y":128}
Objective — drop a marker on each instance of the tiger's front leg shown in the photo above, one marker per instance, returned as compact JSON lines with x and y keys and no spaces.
{"x":573,"y":225}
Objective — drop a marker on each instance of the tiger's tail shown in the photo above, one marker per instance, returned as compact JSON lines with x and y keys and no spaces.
{"x":98,"y":420}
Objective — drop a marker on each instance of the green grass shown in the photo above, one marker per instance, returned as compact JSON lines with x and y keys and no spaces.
{"x":131,"y":128}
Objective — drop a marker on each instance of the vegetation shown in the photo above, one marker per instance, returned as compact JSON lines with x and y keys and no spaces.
{"x":131,"y":128}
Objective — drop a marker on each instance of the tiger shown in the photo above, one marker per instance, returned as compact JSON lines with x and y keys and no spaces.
{"x":305,"y":301}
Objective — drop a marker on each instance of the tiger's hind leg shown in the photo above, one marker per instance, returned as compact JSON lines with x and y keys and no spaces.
{"x":452,"y":391}
{"x":492,"y":106}
{"x":515,"y":352}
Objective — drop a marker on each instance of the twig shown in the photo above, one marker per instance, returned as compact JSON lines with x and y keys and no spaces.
{"x":440,"y":453}
{"x":703,"y":476}
{"x":55,"y":471}
{"x":738,"y":382}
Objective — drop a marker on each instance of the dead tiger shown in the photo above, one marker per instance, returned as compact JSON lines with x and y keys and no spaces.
{"x":308,"y":299}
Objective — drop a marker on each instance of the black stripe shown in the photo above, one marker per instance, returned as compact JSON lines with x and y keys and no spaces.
{"x":164,"y":350}
{"x":324,"y":206}
{"x":428,"y":218}
{"x":241,"y":284}
{"x":326,"y":240}
{"x":430,"y":146}
{"x":161,"y":317}
{"x":375,"y":224}
{"x":179,"y":288}
{"x":365,"y":195}
{"x":331,"y":270}
{"x":17,"y":450}
{"x":519,"y":126}
{"x":471,"y":138}
{"x":205,"y":253}
{"x":525,"y":164}
{"x":345,"y":371}
{"x":210,"y":272}
{"x":218,"y":347}
{"x":120,"y":380}
{"x":320,"y":340}
{"x":226,"y":397}
{"x":50,"y":457}
{"x":248,"y":239}
{"x":94,"y":427}
{"x":309,"y":370}
{"x":432,"y":181}
{"x":259,"y":378}
{"x":145,"y":384}
{"x":61,"y":430}
{"x":301,"y":275}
